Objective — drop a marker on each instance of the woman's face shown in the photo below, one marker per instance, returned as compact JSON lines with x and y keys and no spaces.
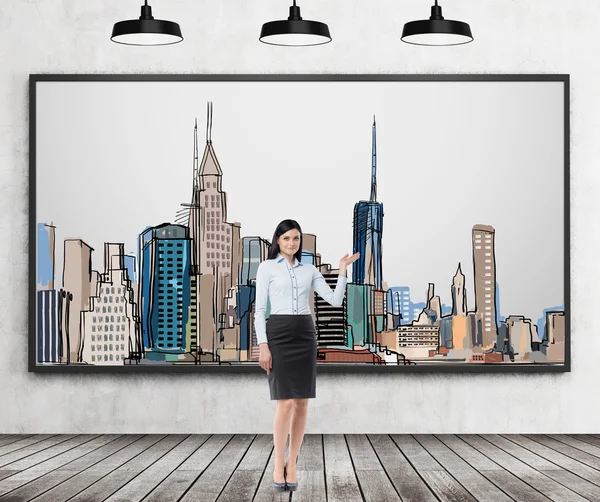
{"x":289,"y":243}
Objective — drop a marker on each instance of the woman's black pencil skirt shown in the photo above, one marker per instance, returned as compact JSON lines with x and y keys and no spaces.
{"x":293,"y":345}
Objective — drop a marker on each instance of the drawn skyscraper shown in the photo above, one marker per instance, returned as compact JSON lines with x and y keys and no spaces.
{"x":165,"y":287}
{"x":365,"y":298}
{"x":459,"y":297}
{"x":48,"y":332}
{"x":110,"y":327}
{"x":368,"y":230}
{"x":484,"y":267}
{"x":216,"y":252}
{"x":77,"y":281}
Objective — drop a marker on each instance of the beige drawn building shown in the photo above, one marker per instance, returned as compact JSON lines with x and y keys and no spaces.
{"x":461,"y":336}
{"x":217,"y":257}
{"x":77,"y":280}
{"x":555,"y":334}
{"x":520,"y":334}
{"x":484,"y":264}
{"x":109,"y":327}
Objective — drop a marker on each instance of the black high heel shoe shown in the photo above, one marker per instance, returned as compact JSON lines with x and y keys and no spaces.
{"x":280,"y":487}
{"x":290,"y":486}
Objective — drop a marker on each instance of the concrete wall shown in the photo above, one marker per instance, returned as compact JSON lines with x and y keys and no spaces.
{"x":520,"y":36}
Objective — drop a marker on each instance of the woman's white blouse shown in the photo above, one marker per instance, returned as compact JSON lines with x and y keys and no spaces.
{"x":287,"y":288}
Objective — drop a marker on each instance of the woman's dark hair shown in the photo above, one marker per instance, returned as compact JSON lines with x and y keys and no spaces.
{"x":282,"y":228}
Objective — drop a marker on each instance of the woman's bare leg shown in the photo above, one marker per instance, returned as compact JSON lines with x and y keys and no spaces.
{"x":297,"y":427}
{"x":281,"y":427}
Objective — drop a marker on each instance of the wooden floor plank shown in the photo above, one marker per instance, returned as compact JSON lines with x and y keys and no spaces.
{"x":564,"y":461}
{"x":531,"y":484}
{"x":523,"y":454}
{"x":151,"y":477}
{"x":340,"y":480}
{"x":10,"y":439}
{"x":7,"y":473}
{"x":245,"y":480}
{"x":553,"y":471}
{"x":38,"y":470}
{"x":469,"y":454}
{"x":176,"y":484}
{"x":473,"y":481}
{"x":10,"y":452}
{"x":310,"y":470}
{"x":579,"y":485}
{"x":372,"y":478}
{"x":587,"y":438}
{"x":445,"y":487}
{"x":265,"y":492}
{"x":50,"y":453}
{"x":409,"y":485}
{"x":310,"y":457}
{"x":92,"y":474}
{"x":116,"y":479}
{"x":211,"y":482}
{"x":565,"y":449}
{"x":577,"y":444}
{"x":311,"y":487}
{"x":63,"y":473}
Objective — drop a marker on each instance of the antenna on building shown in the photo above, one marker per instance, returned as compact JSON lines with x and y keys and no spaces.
{"x":374,"y":165}
{"x":196,"y":154}
{"x":209,"y":107}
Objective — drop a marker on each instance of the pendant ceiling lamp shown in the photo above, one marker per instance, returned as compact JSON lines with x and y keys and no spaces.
{"x":295,"y":31}
{"x":146,"y":30}
{"x":436,"y":30}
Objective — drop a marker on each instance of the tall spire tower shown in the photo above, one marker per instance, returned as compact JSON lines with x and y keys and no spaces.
{"x":374,"y":164}
{"x":368,"y":229}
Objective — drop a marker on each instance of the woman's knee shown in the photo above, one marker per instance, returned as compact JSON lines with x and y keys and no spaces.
{"x":285,"y":405}
{"x":300,"y":404}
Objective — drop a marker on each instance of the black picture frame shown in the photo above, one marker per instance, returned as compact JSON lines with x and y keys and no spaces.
{"x":34,"y":79}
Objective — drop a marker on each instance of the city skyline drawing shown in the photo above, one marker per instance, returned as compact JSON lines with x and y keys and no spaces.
{"x":179,"y":291}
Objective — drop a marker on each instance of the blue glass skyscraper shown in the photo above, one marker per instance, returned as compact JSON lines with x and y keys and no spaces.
{"x":368,"y":230}
{"x":165,"y":286}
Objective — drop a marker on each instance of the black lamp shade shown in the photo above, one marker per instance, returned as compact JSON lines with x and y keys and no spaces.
{"x":436,"y":30}
{"x":295,"y":31}
{"x":146,"y":30}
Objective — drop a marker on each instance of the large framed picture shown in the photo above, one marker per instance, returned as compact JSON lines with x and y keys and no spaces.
{"x":154,"y":198}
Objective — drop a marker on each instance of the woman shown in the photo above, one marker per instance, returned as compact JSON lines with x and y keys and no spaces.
{"x":287,"y":341}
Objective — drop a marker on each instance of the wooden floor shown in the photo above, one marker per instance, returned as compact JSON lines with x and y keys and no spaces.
{"x":332,"y":468}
